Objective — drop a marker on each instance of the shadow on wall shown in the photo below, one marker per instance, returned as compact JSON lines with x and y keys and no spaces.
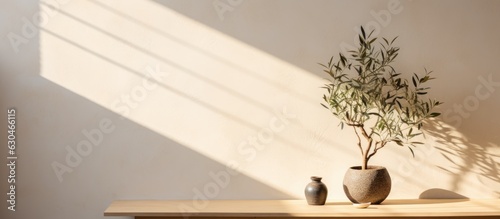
{"x":465,"y":156}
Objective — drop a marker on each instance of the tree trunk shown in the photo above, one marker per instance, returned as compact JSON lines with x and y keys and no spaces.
{"x":365,"y":162}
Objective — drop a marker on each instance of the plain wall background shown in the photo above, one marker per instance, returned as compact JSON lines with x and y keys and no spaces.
{"x":204,"y":86}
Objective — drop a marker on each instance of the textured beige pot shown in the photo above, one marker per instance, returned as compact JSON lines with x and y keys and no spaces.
{"x":370,"y":185}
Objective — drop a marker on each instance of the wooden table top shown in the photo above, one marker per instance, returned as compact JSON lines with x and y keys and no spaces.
{"x":299,"y":208}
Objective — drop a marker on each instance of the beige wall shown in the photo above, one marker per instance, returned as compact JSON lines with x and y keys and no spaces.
{"x":164,"y":99}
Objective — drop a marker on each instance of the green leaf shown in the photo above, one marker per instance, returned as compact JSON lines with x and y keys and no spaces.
{"x":373,"y":40}
{"x":342,"y":59}
{"x":400,"y":143}
{"x":412,"y":153}
{"x":424,"y":79}
{"x":415,"y":135}
{"x":322,"y":65}
{"x":358,"y":69}
{"x":387,"y":42}
{"x":435,"y":114}
{"x":369,"y":35}
{"x":416,"y":76}
{"x":399,"y":104}
{"x":395,"y":56}
{"x":363,"y":32}
{"x":394,"y":39}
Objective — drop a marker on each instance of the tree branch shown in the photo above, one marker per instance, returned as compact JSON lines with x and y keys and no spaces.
{"x":359,"y":140}
{"x":363,"y":131}
{"x":381,"y":145}
{"x":367,"y":150}
{"x":354,"y":124}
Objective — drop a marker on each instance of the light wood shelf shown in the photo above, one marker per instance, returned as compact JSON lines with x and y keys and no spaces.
{"x":414,"y":208}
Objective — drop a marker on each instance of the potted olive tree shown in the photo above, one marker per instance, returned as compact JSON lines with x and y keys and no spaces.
{"x":367,"y":94}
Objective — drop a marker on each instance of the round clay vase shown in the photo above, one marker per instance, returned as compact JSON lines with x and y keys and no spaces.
{"x":316,"y":192}
{"x":370,"y":185}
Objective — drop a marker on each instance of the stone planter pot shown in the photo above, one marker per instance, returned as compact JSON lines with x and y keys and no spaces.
{"x":370,"y":185}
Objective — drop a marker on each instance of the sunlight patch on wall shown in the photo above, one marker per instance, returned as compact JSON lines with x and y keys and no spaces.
{"x":184,"y":80}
